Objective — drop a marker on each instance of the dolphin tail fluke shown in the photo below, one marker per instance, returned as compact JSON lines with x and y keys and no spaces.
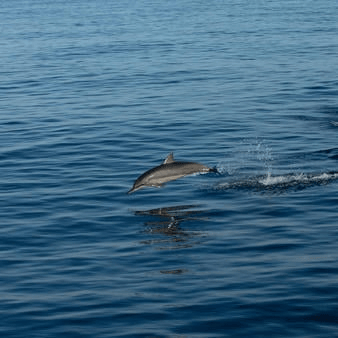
{"x":214,"y":170}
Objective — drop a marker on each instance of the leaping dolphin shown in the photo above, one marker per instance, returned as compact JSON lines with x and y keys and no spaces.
{"x":169,"y":170}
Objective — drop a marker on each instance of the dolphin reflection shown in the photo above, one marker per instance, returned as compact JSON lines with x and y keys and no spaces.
{"x":167,"y":221}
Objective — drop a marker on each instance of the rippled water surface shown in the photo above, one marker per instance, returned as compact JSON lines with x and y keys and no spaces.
{"x":94,"y":93}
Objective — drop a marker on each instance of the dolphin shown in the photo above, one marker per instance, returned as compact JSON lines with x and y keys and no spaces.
{"x":169,"y":170}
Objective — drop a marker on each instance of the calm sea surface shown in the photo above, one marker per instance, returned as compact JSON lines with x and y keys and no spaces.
{"x":94,"y":93}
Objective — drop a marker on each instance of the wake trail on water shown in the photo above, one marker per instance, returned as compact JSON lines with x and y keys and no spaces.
{"x":279,"y":183}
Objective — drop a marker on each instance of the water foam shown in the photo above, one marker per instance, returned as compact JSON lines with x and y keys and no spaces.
{"x":276,"y":180}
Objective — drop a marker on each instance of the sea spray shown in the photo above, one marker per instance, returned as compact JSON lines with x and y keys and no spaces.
{"x":247,"y":156}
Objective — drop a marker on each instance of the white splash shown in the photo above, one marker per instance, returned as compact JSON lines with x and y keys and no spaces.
{"x":247,"y":153}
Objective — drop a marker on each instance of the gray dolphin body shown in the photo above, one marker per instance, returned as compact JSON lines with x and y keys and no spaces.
{"x":169,"y":170}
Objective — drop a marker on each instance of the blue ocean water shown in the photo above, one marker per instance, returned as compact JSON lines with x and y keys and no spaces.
{"x":93,"y":94}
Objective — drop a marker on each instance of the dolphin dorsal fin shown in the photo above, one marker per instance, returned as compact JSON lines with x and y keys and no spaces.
{"x":169,"y":159}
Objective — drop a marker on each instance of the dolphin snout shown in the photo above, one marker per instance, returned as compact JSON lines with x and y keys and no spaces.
{"x":134,"y":189}
{"x":131,"y":190}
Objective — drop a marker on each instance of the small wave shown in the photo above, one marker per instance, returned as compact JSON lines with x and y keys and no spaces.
{"x":334,"y":123}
